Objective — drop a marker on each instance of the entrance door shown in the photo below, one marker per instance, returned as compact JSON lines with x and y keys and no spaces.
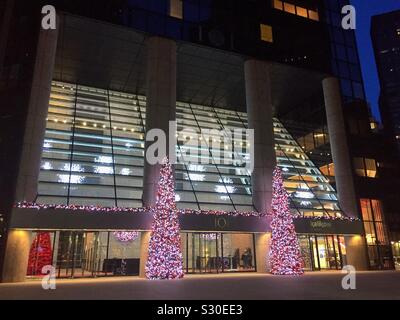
{"x":326,"y":252}
{"x":218,"y":252}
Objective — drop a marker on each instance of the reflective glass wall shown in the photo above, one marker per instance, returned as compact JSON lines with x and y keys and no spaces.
{"x":94,"y":148}
{"x":93,"y":154}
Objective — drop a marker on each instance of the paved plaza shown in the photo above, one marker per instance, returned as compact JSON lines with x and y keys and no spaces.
{"x":317,"y":285}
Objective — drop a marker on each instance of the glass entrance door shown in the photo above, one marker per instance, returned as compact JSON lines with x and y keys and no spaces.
{"x":326,"y":252}
{"x":218,"y":252}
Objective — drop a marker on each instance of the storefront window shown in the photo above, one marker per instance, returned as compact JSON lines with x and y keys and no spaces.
{"x":379,"y":249}
{"x":84,"y":254}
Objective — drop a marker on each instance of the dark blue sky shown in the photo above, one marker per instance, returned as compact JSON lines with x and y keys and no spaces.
{"x":366,"y":9}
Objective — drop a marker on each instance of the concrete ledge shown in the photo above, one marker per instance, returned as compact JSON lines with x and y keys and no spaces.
{"x":62,"y":219}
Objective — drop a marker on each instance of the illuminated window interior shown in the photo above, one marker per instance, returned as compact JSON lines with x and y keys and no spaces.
{"x":372,"y":214}
{"x":266,"y":33}
{"x":328,"y":170}
{"x":365,"y":167}
{"x":176,"y":8}
{"x":296,"y":10}
{"x":93,"y":154}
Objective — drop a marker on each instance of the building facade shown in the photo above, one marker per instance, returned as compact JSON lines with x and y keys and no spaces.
{"x":82,"y":98}
{"x":385,"y":33}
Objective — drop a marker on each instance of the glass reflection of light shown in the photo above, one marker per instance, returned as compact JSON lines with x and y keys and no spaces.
{"x":104,"y":159}
{"x":75,"y":167}
{"x":75,"y":179}
{"x":304,"y":195}
{"x":103,"y":170}
{"x":225,"y":189}
{"x":125,"y":171}
{"x":47,"y":145}
{"x":47,"y":166}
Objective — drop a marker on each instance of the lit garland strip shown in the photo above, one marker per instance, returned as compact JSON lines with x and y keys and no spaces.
{"x":222,"y":213}
{"x":96,"y":209}
{"x":93,"y":209}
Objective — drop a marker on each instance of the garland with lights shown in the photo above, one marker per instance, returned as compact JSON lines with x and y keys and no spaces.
{"x":285,"y":254}
{"x":96,"y":209}
{"x":165,"y":260}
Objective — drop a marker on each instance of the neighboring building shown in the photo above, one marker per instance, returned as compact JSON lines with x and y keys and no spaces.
{"x":385,"y":33}
{"x":80,"y":99}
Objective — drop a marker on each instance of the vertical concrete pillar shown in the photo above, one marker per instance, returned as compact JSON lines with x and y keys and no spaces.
{"x":16,"y":257}
{"x":161,"y":103}
{"x":144,"y":252}
{"x":262,"y":248}
{"x":356,"y":253}
{"x":18,"y":242}
{"x":260,"y":113}
{"x":37,"y":112}
{"x":340,"y":150}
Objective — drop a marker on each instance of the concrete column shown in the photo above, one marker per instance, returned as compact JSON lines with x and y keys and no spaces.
{"x":37,"y":112}
{"x":260,"y":113}
{"x":161,"y":103}
{"x":144,"y":252}
{"x":262,"y":248}
{"x":340,"y":150}
{"x":16,"y":257}
{"x":18,"y":242}
{"x":356,"y":253}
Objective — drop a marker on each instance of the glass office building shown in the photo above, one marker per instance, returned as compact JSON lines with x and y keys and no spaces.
{"x":93,"y":155}
{"x":250,"y":84}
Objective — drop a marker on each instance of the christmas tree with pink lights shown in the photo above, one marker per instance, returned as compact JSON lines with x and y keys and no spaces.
{"x":165,"y":259}
{"x":285,"y":255}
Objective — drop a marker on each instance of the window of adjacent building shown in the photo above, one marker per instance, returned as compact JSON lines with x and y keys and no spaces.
{"x":299,"y":11}
{"x":266,"y":33}
{"x":288,"y":7}
{"x":365,"y":167}
{"x":278,"y":4}
{"x":375,"y":230}
{"x":176,"y":9}
{"x":302,"y":12}
{"x":313,"y":15}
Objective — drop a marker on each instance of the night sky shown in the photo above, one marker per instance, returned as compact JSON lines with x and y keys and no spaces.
{"x":366,"y":9}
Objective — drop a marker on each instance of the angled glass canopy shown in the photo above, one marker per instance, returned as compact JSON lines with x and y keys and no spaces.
{"x":93,"y":153}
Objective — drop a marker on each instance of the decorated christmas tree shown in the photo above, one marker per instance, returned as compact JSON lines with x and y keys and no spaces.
{"x":40,"y":254}
{"x":165,"y":259}
{"x":285,"y":255}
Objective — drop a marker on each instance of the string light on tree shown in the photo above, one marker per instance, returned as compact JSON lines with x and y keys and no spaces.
{"x":165,"y":259}
{"x":285,"y":255}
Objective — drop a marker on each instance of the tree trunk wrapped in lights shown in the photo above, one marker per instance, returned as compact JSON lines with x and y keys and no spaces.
{"x":165,"y":259}
{"x":285,"y":254}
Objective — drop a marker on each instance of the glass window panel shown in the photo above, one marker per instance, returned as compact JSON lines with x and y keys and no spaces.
{"x":278,"y":4}
{"x":302,"y":12}
{"x":288,"y":7}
